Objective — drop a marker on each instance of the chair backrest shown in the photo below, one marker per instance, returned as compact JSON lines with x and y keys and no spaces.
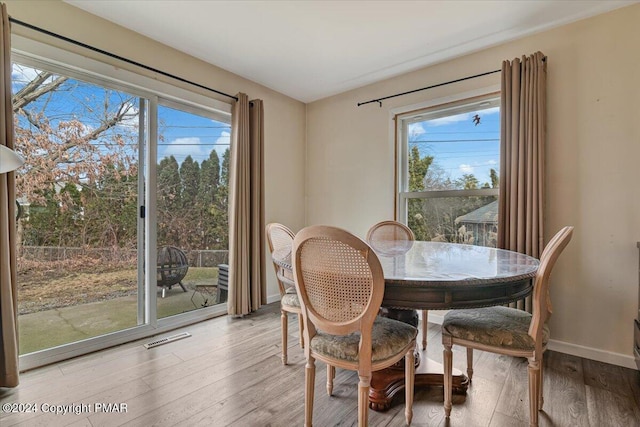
{"x":340,"y":283}
{"x":280,"y":239}
{"x":389,"y":230}
{"x":383,"y":232}
{"x":541,"y":301}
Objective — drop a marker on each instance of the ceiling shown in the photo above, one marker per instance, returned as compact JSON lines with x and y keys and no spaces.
{"x":309,"y":50}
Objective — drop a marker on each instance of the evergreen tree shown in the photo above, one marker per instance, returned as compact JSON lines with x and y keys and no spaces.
{"x":191,"y":217}
{"x":495,"y":179}
{"x":168,"y":202}
{"x":221,"y":211}
{"x":468,"y":182}
{"x":209,"y":182}
{"x":190,"y":182}
{"x":418,"y":168}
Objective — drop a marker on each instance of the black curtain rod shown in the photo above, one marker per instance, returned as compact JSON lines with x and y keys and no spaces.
{"x":118,"y":57}
{"x":379,"y":100}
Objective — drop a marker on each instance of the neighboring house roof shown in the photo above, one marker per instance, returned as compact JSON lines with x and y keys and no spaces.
{"x":488,"y":214}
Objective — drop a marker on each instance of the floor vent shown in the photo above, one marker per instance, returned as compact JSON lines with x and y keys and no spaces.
{"x":167,"y":340}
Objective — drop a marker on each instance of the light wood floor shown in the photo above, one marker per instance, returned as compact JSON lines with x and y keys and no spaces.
{"x":229,"y":373}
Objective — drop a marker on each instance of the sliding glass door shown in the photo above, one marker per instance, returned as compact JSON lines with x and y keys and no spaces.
{"x":116,"y":178}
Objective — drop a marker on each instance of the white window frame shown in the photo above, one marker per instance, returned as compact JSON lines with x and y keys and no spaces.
{"x":436,"y":108}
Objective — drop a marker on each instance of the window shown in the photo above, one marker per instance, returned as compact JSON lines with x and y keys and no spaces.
{"x":119,"y":167}
{"x":449,"y":158}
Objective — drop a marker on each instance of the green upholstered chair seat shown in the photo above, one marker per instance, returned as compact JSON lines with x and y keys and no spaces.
{"x":495,"y":326}
{"x":389,"y":337}
{"x":290,"y":299}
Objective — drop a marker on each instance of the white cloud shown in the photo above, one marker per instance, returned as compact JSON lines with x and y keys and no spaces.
{"x":222,"y":143}
{"x":492,"y":162}
{"x":22,"y":73}
{"x":131,"y":119}
{"x":180,"y":148}
{"x":416,"y":129}
{"x":466,"y":168}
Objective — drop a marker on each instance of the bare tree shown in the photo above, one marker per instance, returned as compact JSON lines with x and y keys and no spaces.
{"x":69,"y":131}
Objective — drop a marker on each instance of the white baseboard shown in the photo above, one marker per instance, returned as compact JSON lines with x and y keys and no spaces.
{"x":626,"y":361}
{"x":273,"y":298}
{"x":593,"y":353}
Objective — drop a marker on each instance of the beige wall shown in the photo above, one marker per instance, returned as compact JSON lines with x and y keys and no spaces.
{"x":284,"y":116}
{"x":593,"y":151}
{"x":344,"y":175}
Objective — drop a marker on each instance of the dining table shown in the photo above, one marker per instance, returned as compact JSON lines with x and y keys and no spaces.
{"x":426,"y":275}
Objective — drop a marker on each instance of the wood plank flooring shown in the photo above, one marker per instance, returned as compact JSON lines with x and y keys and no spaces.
{"x":229,"y":373}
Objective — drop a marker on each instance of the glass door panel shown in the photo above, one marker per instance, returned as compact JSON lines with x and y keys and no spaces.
{"x":78,"y":208}
{"x":192,"y":220}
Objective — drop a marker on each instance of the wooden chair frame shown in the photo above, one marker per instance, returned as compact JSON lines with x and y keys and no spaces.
{"x":279,"y":235}
{"x":315,"y":318}
{"x":541,"y":312}
{"x":401,"y":232}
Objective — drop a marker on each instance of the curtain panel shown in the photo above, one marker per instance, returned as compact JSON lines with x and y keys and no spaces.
{"x":522,"y":141}
{"x":247,"y":284}
{"x":8,"y":288}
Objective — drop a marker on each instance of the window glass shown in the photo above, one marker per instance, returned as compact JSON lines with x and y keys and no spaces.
{"x":192,"y":209}
{"x":449,"y":172}
{"x":78,"y":203}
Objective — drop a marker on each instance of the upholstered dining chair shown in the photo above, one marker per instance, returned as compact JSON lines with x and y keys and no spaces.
{"x":340,"y":283}
{"x":393,"y":230}
{"x":280,"y":240}
{"x":507,"y":331}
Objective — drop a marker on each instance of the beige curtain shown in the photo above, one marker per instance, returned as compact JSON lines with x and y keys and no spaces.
{"x":247,"y":284}
{"x":8,"y":291}
{"x":522,"y":140}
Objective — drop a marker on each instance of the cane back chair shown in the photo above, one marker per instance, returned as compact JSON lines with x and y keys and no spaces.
{"x":340,"y":283}
{"x":396,"y":231}
{"x":280,"y":240}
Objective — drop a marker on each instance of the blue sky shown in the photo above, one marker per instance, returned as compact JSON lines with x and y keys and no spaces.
{"x":182,"y":133}
{"x":458,"y":145}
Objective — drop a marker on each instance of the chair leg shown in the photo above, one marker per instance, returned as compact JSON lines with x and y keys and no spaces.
{"x":425,"y":315}
{"x":447,"y":356}
{"x":331,"y":374}
{"x":309,"y":382}
{"x":540,"y":386}
{"x":469,"y":363}
{"x":301,"y":330}
{"x":409,"y":375}
{"x":534,"y":384}
{"x":284,"y":320}
{"x":363,"y":400}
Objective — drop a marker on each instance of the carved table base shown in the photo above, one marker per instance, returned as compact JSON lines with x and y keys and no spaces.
{"x":385,"y":384}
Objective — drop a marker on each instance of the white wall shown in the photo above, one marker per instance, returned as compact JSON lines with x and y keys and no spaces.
{"x":593,"y":151}
{"x":284,"y":116}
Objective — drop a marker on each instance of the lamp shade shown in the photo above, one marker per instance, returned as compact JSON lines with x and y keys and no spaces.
{"x":9,"y":159}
